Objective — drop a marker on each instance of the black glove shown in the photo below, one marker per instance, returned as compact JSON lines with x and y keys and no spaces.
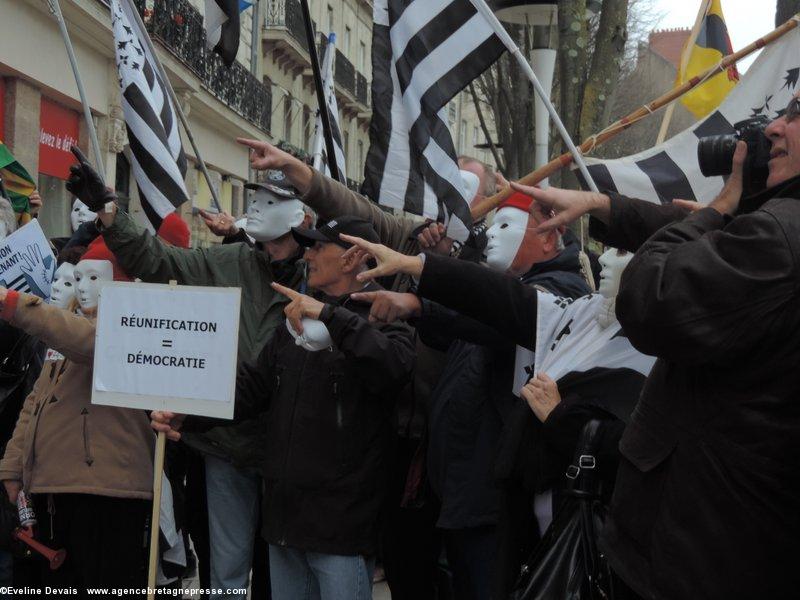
{"x":85,"y":183}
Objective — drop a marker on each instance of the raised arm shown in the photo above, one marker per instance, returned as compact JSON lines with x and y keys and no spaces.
{"x":68,"y":333}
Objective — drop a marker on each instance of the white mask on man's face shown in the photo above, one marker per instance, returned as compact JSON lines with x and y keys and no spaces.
{"x":63,"y":288}
{"x":505,"y":237}
{"x":315,"y":335}
{"x":80,"y":214}
{"x":268,"y":218}
{"x":90,"y":276}
{"x":613,"y":262}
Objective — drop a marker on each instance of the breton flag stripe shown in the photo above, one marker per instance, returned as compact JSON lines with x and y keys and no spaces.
{"x":423,"y":53}
{"x":319,"y":147}
{"x":158,"y":161}
{"x":671,"y":170}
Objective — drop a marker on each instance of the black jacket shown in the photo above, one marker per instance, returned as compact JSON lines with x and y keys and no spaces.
{"x":472,"y":401}
{"x":707,"y":494}
{"x":327,"y":428}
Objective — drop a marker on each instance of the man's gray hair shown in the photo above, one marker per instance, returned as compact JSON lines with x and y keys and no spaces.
{"x":7,"y":216}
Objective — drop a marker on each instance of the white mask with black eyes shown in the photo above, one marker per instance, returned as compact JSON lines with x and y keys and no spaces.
{"x":613,"y":263}
{"x":63,"y":288}
{"x":269,"y":217}
{"x":80,"y":214}
{"x":90,"y":276}
{"x":505,"y":237}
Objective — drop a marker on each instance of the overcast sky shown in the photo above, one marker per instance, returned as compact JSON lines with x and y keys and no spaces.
{"x":747,"y":20}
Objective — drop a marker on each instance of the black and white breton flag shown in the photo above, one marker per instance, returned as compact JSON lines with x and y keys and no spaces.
{"x":221,"y":23}
{"x":319,"y":151}
{"x":423,"y":53}
{"x":159,"y":163}
{"x":575,"y":350}
{"x":671,"y":170}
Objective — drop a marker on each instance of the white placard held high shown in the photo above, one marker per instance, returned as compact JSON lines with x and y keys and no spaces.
{"x":162,"y":347}
{"x":27,"y":263}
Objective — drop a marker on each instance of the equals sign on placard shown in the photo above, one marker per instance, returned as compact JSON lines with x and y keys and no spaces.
{"x":166,"y":343}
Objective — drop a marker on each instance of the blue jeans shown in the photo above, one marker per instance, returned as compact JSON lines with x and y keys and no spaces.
{"x":300,"y":575}
{"x":232,"y":518}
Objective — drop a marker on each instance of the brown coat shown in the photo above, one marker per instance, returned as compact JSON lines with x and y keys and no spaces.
{"x":62,"y":443}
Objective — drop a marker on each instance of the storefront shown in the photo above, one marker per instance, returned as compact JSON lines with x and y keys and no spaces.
{"x":59,"y":129}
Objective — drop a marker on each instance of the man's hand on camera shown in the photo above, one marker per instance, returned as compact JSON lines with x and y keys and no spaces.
{"x":86,"y":183}
{"x":728,"y":200}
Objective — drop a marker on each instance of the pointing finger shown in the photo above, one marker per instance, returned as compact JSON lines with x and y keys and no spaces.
{"x":288,"y":292}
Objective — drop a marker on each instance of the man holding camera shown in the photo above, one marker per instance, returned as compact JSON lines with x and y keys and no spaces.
{"x":707,"y":495}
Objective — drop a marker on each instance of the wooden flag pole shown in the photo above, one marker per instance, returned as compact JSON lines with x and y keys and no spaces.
{"x":687,"y":52}
{"x":155,"y":529}
{"x":184,"y":121}
{"x":566,"y":159}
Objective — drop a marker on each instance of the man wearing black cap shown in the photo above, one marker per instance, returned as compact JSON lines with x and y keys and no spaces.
{"x":326,"y":419}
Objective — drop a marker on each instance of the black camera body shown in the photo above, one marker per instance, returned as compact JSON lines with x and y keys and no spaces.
{"x":715,"y":153}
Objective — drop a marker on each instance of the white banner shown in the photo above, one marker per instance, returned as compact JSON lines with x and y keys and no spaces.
{"x":570,"y":339}
{"x":167,"y":348}
{"x":27,"y":263}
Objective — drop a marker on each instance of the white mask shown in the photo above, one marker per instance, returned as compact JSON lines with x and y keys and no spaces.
{"x":613,"y":265}
{"x":268,"y":218}
{"x":315,"y":335}
{"x":505,"y":237}
{"x":63,"y":288}
{"x":90,"y":276}
{"x":80,"y":214}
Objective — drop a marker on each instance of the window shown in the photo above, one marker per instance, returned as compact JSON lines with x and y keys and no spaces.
{"x":362,"y":57}
{"x":287,"y":118}
{"x":462,"y":136}
{"x":330,"y":19}
{"x":360,"y":156}
{"x":476,"y":136}
{"x":451,"y":113}
{"x":346,"y":143}
{"x":347,"y":37}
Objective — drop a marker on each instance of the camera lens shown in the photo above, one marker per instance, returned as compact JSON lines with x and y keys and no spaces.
{"x":715,"y":154}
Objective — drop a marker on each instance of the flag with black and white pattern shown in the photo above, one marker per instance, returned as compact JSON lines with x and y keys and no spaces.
{"x":671,"y":170}
{"x":158,"y":160}
{"x":318,"y":149}
{"x":423,"y":53}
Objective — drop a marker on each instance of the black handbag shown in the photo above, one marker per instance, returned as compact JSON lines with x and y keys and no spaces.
{"x":14,"y":367}
{"x":566,"y":564}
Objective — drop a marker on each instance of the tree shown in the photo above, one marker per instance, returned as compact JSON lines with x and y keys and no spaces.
{"x":591,"y":53}
{"x":784,"y":9}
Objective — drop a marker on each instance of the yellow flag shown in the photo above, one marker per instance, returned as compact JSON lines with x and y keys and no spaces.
{"x":710,"y":46}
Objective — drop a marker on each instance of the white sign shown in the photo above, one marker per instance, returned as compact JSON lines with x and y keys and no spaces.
{"x":27,"y":263}
{"x":162,"y":347}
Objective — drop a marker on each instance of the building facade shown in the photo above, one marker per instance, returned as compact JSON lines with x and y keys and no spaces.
{"x":267,"y":94}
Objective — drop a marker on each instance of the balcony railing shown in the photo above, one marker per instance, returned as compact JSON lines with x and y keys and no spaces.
{"x":179,"y":27}
{"x":345,"y":74}
{"x":289,"y":15}
{"x":362,"y":89}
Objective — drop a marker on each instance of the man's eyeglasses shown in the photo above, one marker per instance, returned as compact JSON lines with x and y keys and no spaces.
{"x":792,"y":110}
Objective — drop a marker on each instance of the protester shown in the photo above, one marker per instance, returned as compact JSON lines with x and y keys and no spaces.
{"x":710,"y":448}
{"x":90,"y":467}
{"x":35,"y":202}
{"x":326,"y":418}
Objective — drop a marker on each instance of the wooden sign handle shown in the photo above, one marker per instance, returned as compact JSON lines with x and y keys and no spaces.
{"x":158,"y":477}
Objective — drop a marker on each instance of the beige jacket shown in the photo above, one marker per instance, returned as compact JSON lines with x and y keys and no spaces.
{"x":62,"y":443}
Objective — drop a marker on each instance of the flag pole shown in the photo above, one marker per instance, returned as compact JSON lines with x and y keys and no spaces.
{"x":640,"y":113}
{"x":501,"y":32}
{"x":687,"y":52}
{"x":55,"y":9}
{"x":321,"y":100}
{"x":163,"y":74}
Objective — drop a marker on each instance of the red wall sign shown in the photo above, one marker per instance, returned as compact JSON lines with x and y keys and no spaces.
{"x":58,"y":130}
{"x":2,"y":109}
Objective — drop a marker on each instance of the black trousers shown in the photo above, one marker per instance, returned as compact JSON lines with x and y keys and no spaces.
{"x":106,"y":540}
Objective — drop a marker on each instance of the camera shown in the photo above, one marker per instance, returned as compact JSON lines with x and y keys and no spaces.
{"x":715,"y":153}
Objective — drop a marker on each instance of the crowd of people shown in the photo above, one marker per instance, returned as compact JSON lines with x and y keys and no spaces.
{"x":439,"y":409}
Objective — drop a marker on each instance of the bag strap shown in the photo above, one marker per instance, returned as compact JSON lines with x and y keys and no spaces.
{"x":581,"y":473}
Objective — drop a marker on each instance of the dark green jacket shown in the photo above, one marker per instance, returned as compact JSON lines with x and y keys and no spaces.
{"x":142,"y":255}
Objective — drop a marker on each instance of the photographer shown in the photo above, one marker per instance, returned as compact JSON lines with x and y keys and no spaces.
{"x":705,"y":504}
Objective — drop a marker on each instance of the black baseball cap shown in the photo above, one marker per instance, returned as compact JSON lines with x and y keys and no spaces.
{"x":329,"y":232}
{"x":277,"y":184}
